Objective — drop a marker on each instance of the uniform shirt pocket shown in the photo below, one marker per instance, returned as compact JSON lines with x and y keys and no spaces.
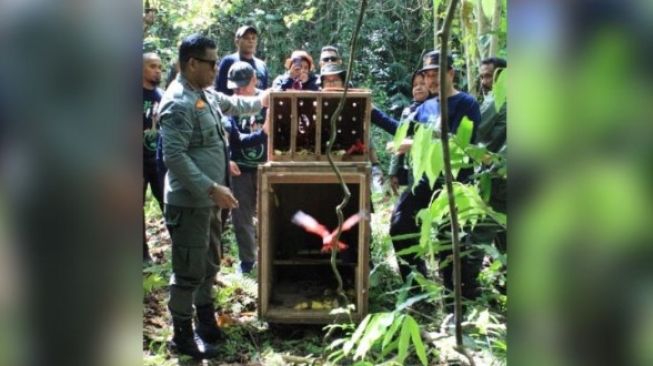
{"x":208,"y":128}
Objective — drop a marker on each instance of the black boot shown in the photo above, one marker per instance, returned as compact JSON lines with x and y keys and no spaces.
{"x":183,"y":341}
{"x":207,"y":327}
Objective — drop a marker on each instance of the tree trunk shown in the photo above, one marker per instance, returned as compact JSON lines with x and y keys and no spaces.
{"x":467,"y":30}
{"x":496,"y":23}
{"x":448,"y":176}
{"x":483,"y":27}
{"x":436,"y":25}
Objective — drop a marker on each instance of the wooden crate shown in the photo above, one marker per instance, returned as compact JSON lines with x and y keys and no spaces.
{"x":300,"y":125}
{"x":292,"y":270}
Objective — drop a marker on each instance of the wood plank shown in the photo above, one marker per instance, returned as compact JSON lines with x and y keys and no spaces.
{"x":358,"y":174}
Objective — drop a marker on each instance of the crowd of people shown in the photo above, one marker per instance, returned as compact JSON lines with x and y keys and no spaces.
{"x":206,"y":134}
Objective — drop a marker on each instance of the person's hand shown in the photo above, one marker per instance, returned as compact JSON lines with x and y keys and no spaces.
{"x":394,"y":184}
{"x":223,"y":197}
{"x":234,"y":169}
{"x":303,"y":76}
{"x":403,"y":147}
{"x":264,"y":97}
{"x":295,"y":72}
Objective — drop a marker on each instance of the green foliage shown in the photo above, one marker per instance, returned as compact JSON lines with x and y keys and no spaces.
{"x":155,"y":277}
{"x":380,"y":331}
{"x":499,"y":90}
{"x":393,"y":38}
{"x":464,"y":133}
{"x":400,"y":134}
{"x":152,"y":282}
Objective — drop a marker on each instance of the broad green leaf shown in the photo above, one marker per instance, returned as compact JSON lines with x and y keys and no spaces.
{"x":488,"y":7}
{"x":476,"y":152}
{"x":501,"y":345}
{"x":428,"y":166}
{"x":485,"y":187}
{"x":431,"y":287}
{"x":389,"y":348}
{"x":435,"y":164}
{"x":499,"y":90}
{"x":363,"y":363}
{"x":456,"y":154}
{"x":400,"y":134}
{"x":499,"y":217}
{"x":417,"y":339}
{"x":374,"y":331}
{"x":410,"y":250}
{"x":439,"y":207}
{"x":391,"y":332}
{"x":464,"y":132}
{"x":404,"y":339}
{"x":412,"y":300}
{"x":336,"y":356}
{"x":357,"y":334}
{"x":421,"y":143}
{"x":424,"y":217}
{"x":338,"y":342}
{"x":406,"y":236}
{"x":454,"y":172}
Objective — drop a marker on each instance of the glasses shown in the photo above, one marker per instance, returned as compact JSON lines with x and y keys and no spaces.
{"x":210,"y":62}
{"x":330,"y":59}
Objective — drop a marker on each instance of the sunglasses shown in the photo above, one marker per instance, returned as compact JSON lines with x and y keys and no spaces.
{"x":211,"y":63}
{"x":330,"y":59}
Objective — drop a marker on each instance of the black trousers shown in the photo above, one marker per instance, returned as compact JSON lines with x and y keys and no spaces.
{"x":154,"y":177}
{"x":403,"y":223}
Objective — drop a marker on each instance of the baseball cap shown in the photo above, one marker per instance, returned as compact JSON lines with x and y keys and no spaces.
{"x":431,"y":61}
{"x":240,"y":74}
{"x":244,"y":29}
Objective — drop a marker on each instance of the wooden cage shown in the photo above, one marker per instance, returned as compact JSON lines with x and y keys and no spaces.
{"x":300,"y":125}
{"x":296,"y":282}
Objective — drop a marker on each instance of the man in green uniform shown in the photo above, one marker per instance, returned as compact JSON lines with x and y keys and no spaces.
{"x":196,"y":188}
{"x":492,"y":133}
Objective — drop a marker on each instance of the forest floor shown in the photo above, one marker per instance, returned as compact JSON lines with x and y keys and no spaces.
{"x":250,"y":341}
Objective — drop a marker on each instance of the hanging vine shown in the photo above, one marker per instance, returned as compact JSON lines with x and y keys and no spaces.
{"x":332,"y":138}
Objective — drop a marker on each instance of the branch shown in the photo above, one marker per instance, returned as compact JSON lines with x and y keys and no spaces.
{"x":332,"y":138}
{"x":444,"y":136}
